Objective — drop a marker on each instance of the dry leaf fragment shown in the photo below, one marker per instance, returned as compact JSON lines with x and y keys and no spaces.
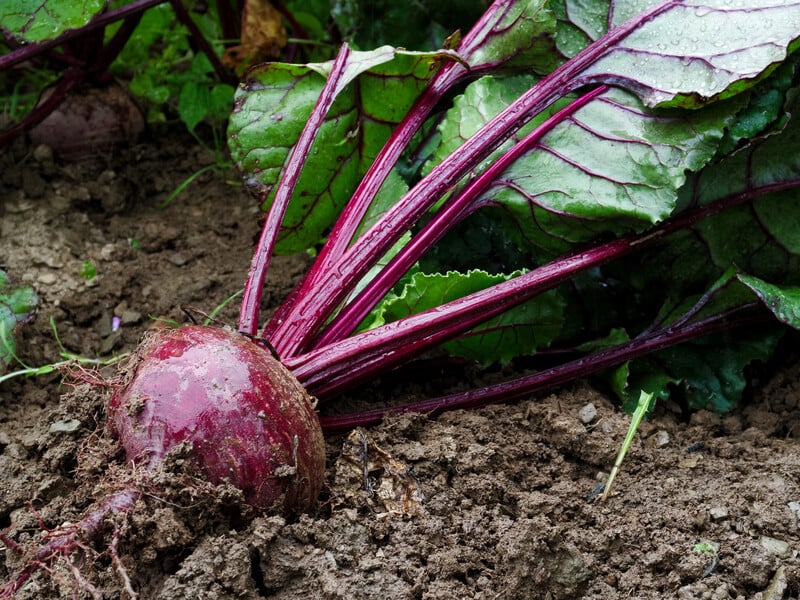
{"x":263,"y":36}
{"x":365,"y":471}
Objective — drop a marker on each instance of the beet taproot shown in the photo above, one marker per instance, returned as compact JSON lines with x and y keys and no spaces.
{"x":225,"y":403}
{"x":245,"y":416}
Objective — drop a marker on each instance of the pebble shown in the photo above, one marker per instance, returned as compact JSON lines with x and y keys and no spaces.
{"x":130,"y":317}
{"x":65,"y":426}
{"x":20,"y":205}
{"x":778,"y":586}
{"x":79,"y":192}
{"x":719,"y":513}
{"x":110,"y":341}
{"x":177,"y":259}
{"x":43,"y":153}
{"x":107,"y":252}
{"x":120,"y":308}
{"x":776,"y":547}
{"x":659,"y":439}
{"x":33,"y":184}
{"x":690,"y":462}
{"x":50,"y":258}
{"x":47,"y":278}
{"x":588,"y":413}
{"x":351,"y":514}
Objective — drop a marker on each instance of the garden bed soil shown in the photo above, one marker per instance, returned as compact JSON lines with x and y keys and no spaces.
{"x":490,"y":503}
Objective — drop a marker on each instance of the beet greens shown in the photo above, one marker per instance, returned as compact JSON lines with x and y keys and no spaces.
{"x":613,"y":182}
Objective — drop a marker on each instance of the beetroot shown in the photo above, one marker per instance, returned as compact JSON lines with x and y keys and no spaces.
{"x":224,"y":401}
{"x":247,"y":419}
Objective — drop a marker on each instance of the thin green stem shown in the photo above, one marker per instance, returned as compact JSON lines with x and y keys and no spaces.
{"x":643,"y":406}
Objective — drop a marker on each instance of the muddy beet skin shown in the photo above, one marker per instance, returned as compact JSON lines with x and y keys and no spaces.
{"x":247,"y":419}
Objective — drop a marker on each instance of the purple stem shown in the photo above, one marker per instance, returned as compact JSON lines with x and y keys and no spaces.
{"x":309,"y":311}
{"x":520,"y":387}
{"x":350,"y":219}
{"x":331,"y":369}
{"x":356,"y":207}
{"x":346,"y":225}
{"x":111,"y":50}
{"x":254,"y":286}
{"x":456,"y":209}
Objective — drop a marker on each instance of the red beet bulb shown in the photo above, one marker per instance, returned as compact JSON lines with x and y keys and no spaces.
{"x":234,"y":410}
{"x":247,"y":419}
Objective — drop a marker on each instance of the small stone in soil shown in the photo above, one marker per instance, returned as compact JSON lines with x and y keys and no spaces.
{"x":177,"y":259}
{"x":65,"y":426}
{"x":130,"y":317}
{"x":47,"y":278}
{"x":588,"y":413}
{"x":33,"y":184}
{"x":776,"y":547}
{"x":659,"y":439}
{"x":110,"y":342}
{"x":718,"y":513}
{"x":43,"y":153}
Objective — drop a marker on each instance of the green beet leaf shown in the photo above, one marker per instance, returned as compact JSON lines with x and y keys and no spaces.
{"x":782,"y":301}
{"x":519,"y":38}
{"x":612,"y":167}
{"x":16,"y":306}
{"x":41,"y":20}
{"x":579,"y":23}
{"x":689,"y":52}
{"x":481,"y":101}
{"x":760,"y":237}
{"x":273,"y":105}
{"x":522,"y":331}
{"x":764,"y":111}
{"x":710,"y":372}
{"x":679,"y":53}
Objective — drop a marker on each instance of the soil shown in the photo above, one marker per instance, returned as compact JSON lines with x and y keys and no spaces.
{"x":490,"y":503}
